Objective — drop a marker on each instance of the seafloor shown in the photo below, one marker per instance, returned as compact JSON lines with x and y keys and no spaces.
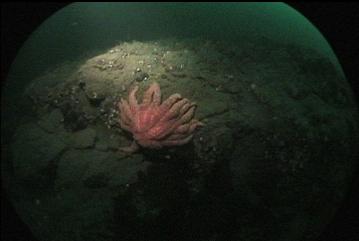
{"x":271,"y":163}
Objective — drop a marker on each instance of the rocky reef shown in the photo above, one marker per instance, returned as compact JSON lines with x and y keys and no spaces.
{"x":280,"y":124}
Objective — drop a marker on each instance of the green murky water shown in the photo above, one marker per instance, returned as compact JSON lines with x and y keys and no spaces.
{"x":280,"y":124}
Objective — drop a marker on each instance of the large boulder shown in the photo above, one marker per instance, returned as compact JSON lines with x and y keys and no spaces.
{"x":35,"y":151}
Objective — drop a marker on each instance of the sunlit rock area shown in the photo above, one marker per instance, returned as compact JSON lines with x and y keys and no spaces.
{"x":271,"y":163}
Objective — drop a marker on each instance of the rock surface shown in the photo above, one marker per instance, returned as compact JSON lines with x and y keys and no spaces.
{"x":84,"y":138}
{"x":280,"y":122}
{"x":34,"y":151}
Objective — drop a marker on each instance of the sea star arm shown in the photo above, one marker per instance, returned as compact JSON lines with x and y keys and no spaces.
{"x":187,"y":128}
{"x":125,"y":112}
{"x":185,"y":107}
{"x":157,"y":96}
{"x":130,"y":149}
{"x":174,"y":111}
{"x":194,"y":124}
{"x":176,"y":116}
{"x":167,"y":104}
{"x":132,"y":100}
{"x":151,"y":143}
{"x":185,"y":117}
{"x":177,"y":136}
{"x":152,"y":95}
{"x":177,"y":142}
{"x":125,"y":126}
{"x":182,"y":129}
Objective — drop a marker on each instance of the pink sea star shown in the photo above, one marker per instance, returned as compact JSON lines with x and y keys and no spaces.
{"x":155,"y":124}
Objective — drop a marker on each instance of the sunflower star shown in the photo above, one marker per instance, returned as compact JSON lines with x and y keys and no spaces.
{"x":155,"y":124}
